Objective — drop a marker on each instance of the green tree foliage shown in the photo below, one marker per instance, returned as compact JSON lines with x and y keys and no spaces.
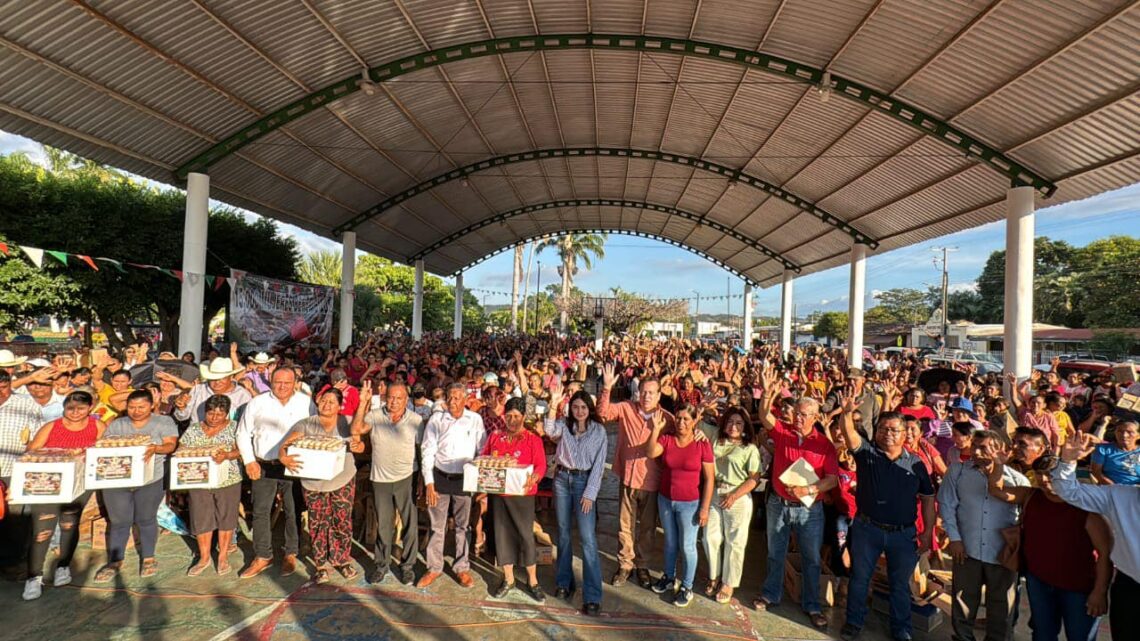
{"x":83,"y":208}
{"x":831,"y":326}
{"x":901,"y":305}
{"x":321,"y":268}
{"x":1105,"y":285}
{"x":27,"y":293}
{"x":573,"y":249}
{"x":1054,"y":264}
{"x":394,"y":286}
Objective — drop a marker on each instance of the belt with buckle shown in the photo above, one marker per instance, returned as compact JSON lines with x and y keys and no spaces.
{"x":573,"y":472}
{"x":882,"y":526}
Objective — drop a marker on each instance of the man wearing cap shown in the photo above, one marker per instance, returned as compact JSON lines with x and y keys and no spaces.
{"x":20,"y":417}
{"x":263,"y":425}
{"x":867,"y":402}
{"x":218,"y":377}
{"x":339,"y":380}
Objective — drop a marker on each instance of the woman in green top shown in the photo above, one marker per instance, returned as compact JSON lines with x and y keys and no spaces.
{"x":215,"y":509}
{"x":738,"y":470}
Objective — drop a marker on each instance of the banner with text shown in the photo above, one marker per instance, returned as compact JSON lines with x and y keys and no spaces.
{"x":267,"y":314}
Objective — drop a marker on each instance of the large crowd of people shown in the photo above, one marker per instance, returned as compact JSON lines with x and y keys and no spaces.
{"x":898,"y":458}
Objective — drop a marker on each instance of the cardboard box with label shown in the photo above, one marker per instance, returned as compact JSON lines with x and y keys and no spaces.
{"x":509,"y":480}
{"x":47,"y":476}
{"x":116,"y":467}
{"x":321,"y":458}
{"x":194,"y":473}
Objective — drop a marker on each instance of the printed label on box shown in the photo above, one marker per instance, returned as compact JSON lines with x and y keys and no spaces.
{"x":112,"y":468}
{"x":43,"y":483}
{"x":192,"y":472}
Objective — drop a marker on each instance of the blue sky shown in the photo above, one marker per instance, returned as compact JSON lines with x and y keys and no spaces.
{"x":1077,"y":222}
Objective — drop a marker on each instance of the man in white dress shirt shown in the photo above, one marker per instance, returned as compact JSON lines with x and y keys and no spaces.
{"x":266,"y":421}
{"x":451,"y":439}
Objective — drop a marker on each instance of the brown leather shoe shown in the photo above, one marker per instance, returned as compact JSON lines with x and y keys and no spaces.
{"x":427,"y":579}
{"x":289,"y":565}
{"x":620,"y":577}
{"x":258,"y":566}
{"x":465,"y":579}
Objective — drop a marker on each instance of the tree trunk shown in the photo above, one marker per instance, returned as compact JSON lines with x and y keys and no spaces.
{"x":567,"y":268}
{"x":516,"y":277}
{"x":526,"y":288}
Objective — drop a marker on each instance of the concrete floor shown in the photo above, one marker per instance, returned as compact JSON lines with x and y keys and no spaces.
{"x":176,"y":607}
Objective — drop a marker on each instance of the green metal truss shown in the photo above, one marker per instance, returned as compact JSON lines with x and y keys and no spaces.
{"x":609,"y":152}
{"x":603,"y":202}
{"x":619,"y":232}
{"x":913,"y":116}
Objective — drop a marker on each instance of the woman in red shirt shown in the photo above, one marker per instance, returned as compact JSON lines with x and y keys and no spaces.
{"x":76,"y":429}
{"x":1066,"y":556}
{"x":513,"y":516}
{"x":682,"y":501}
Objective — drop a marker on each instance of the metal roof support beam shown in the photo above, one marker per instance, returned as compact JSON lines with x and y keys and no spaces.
{"x":619,"y":232}
{"x":603,"y":202}
{"x":729,"y":173}
{"x":845,"y":87}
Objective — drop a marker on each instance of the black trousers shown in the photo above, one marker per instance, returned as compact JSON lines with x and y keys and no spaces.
{"x":1124,"y":606}
{"x":265,"y":490}
{"x":392,"y":498}
{"x":514,"y":530}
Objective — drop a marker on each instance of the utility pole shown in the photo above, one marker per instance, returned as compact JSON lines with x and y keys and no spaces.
{"x":945,"y":287}
{"x":697,"y":316}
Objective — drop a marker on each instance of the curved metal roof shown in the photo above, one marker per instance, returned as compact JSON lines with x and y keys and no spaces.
{"x":761,"y":134}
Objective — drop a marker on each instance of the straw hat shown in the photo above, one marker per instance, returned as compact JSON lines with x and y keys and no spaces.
{"x":219,"y":368}
{"x":8,"y":359}
{"x":261,"y":358}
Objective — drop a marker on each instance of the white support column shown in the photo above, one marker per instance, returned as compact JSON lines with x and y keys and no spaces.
{"x":786,"y":312}
{"x":457,"y":332}
{"x":1019,"y":281}
{"x":347,"y":282}
{"x":599,"y":333}
{"x":418,"y":303}
{"x":855,"y":304}
{"x":746,"y":338}
{"x":194,"y":264}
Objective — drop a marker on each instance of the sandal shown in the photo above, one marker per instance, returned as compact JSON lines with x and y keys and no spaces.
{"x":724,"y":595}
{"x":198,"y":569}
{"x":762,"y":604}
{"x":224,"y":567}
{"x":107,"y":573}
{"x":348,"y":571}
{"x":321,"y":576}
{"x":149,"y":567}
{"x":710,"y":589}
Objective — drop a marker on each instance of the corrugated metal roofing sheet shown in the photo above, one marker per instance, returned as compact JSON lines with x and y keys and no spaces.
{"x":145,"y":87}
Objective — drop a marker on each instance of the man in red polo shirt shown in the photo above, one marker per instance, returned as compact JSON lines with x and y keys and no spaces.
{"x":787,"y":510}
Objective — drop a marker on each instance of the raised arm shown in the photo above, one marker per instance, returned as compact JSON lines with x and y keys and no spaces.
{"x":358,"y":425}
{"x":607,"y":411}
{"x":653,"y":449}
{"x":847,"y":404}
{"x":1091,"y":498}
{"x":998,"y":489}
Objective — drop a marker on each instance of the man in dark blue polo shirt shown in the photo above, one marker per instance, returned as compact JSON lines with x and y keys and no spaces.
{"x":889,"y":480}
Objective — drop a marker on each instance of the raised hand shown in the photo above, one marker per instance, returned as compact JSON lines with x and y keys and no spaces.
{"x":609,"y":376}
{"x":1079,"y":446}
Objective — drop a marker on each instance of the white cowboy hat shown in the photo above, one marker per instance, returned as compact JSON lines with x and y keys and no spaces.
{"x":8,"y":359}
{"x":219,"y":368}
{"x":261,"y":358}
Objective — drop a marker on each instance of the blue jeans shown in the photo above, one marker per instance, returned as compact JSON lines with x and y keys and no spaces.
{"x":807,"y":523}
{"x":568,"y":490}
{"x":866,"y":543}
{"x":1053,"y":607}
{"x":679,"y":520}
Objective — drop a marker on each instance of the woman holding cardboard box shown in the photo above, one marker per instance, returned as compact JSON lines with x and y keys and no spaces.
{"x":138,"y":506}
{"x":215,"y":508}
{"x":76,"y":429}
{"x":514,"y":515}
{"x":330,"y":502}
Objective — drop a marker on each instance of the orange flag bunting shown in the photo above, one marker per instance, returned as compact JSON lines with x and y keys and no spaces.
{"x":87,"y":259}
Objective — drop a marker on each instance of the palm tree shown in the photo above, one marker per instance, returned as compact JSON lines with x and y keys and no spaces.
{"x":571,"y":249}
{"x":321,"y":268}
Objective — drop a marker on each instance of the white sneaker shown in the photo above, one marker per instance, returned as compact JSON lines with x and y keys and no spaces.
{"x":33,"y":588}
{"x":62,"y":576}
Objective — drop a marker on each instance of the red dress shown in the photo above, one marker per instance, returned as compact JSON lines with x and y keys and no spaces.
{"x":60,"y":436}
{"x":526,"y":447}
